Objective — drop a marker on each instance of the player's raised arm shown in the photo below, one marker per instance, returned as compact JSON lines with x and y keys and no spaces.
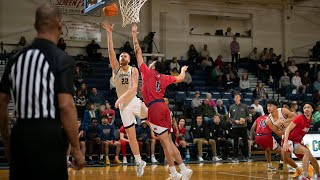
{"x":132,"y":89}
{"x":112,"y":55}
{"x":182,"y":74}
{"x":137,"y":49}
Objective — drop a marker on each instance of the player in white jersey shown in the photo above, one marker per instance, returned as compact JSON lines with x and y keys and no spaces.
{"x":126,"y":82}
{"x":278,"y":120}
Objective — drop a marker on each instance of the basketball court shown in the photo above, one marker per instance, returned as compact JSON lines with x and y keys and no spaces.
{"x":221,"y":171}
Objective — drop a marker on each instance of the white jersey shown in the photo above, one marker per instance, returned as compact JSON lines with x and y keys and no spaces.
{"x":123,"y":81}
{"x":281,"y":117}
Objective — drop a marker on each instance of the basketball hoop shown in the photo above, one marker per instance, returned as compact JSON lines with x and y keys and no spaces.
{"x":130,"y":11}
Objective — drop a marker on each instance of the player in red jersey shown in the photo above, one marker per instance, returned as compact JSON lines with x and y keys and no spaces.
{"x":293,"y":136}
{"x":154,"y":85}
{"x":265,"y":139}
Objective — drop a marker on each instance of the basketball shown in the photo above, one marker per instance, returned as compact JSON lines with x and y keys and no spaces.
{"x":110,"y":10}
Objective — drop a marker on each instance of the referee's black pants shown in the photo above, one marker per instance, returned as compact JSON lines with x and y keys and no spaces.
{"x":240,"y":132}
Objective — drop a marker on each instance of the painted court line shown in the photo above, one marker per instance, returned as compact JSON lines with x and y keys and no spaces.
{"x":229,"y":174}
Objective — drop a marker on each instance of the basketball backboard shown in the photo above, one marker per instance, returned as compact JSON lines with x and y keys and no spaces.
{"x":94,"y":5}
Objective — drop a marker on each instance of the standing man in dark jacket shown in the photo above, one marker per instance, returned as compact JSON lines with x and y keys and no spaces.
{"x":239,"y":115}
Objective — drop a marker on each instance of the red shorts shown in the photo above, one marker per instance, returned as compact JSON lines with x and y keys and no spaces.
{"x":267,"y":141}
{"x":299,"y":156}
{"x":159,"y":117}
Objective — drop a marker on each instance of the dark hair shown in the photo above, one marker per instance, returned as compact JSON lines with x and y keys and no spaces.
{"x":311,"y":104}
{"x":159,"y":67}
{"x":285,"y":103}
{"x":199,"y":115}
{"x":236,"y":94}
{"x":272,"y":101}
{"x":104,"y":117}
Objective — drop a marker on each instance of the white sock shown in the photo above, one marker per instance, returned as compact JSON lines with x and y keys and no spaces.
{"x":101,"y":156}
{"x":281,"y":162}
{"x":68,"y":158}
{"x":137,"y":158}
{"x":90,"y":157}
{"x":269,"y":164}
{"x":152,"y":155}
{"x":183,"y":167}
{"x":173,"y":170}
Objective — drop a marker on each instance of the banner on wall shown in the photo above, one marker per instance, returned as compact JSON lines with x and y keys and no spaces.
{"x":312,"y":141}
{"x":73,"y":7}
{"x":81,"y":31}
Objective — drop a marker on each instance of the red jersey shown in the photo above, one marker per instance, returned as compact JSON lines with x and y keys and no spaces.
{"x":181,"y":133}
{"x":301,"y":129}
{"x":154,"y":84}
{"x":262,"y":127}
{"x":123,"y":130}
{"x":110,"y":113}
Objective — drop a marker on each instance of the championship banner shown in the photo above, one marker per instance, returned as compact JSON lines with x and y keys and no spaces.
{"x":81,"y":31}
{"x":312,"y":141}
{"x":73,"y":7}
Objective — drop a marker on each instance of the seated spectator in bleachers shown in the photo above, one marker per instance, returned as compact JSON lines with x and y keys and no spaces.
{"x":92,"y":50}
{"x":96,"y":98}
{"x":82,"y":138}
{"x":80,"y":102}
{"x":206,"y":63}
{"x":314,"y":71}
{"x":294,"y":107}
{"x":307,"y":82}
{"x":284,"y":84}
{"x":174,"y":64}
{"x":275,"y":67}
{"x":254,"y":55}
{"x":200,"y":135}
{"x":316,"y":116}
{"x":150,"y":61}
{"x":296,"y":82}
{"x":211,"y":102}
{"x":206,"y":111}
{"x":193,"y":55}
{"x":257,"y":107}
{"x":61,"y":44}
{"x":174,"y":86}
{"x":260,"y":92}
{"x":316,"y":85}
{"x":110,"y":113}
{"x":196,"y":101}
{"x":292,"y":69}
{"x":219,"y":62}
{"x":143,"y":137}
{"x":84,"y":90}
{"x":154,"y":139}
{"x":112,"y":87}
{"x":127,"y":48}
{"x":253,"y":115}
{"x":217,"y":132}
{"x":215,"y":73}
{"x":21,"y":44}
{"x":108,"y":139}
{"x":232,"y":72}
{"x":89,"y":114}
{"x":78,"y":75}
{"x":263,"y":54}
{"x":316,"y":51}
{"x":124,"y":141}
{"x":221,"y":109}
{"x":244,"y":83}
{"x":94,"y":142}
{"x":263,"y":69}
{"x":229,"y":33}
{"x":286,"y":105}
{"x":270,"y":54}
{"x":180,"y":140}
{"x":229,"y":84}
{"x":204,"y":52}
{"x":187,"y":82}
{"x":316,"y":97}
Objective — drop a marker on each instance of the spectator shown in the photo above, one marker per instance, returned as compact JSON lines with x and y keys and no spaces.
{"x":109,"y":113}
{"x":292,"y":68}
{"x":153,"y":58}
{"x":211,"y":102}
{"x":263,"y":54}
{"x":78,"y":77}
{"x":180,"y":141}
{"x":307,"y":82}
{"x":124,"y":141}
{"x":219,"y":62}
{"x":215,"y":73}
{"x":96,"y":98}
{"x":221,"y":109}
{"x":228,"y":83}
{"x":207,"y":111}
{"x":296,"y":81}
{"x":108,"y":139}
{"x":93,"y":132}
{"x":284,"y":83}
{"x":314,"y":71}
{"x":254,"y":55}
{"x":22,"y":43}
{"x":143,"y":137}
{"x":232,"y":72}
{"x":154,"y":139}
{"x":80,"y":102}
{"x":257,"y":107}
{"x":245,"y":83}
{"x":205,"y":51}
{"x":263,"y":69}
{"x":187,"y":82}
{"x":206,"y":63}
{"x":61,"y":44}
{"x":294,"y":107}
{"x":316,"y":51}
{"x":174,"y":64}
{"x":260,"y":92}
{"x":192,"y":54}
{"x":270,"y":54}
{"x":316,"y":97}
{"x":235,"y":49}
{"x":127,"y":48}
{"x":316,"y":84}
{"x":84,"y":90}
{"x":229,"y":33}
{"x":89,"y":115}
{"x":218,"y":134}
{"x":92,"y":50}
{"x":196,"y":101}
{"x":200,"y":135}
{"x":316,"y":115}
{"x":239,"y":115}
{"x":275,"y":67}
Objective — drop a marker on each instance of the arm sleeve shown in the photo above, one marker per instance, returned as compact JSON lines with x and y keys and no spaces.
{"x":65,"y":75}
{"x":5,"y":82}
{"x":145,"y":71}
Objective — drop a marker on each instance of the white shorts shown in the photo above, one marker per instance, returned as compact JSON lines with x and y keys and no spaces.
{"x":158,"y":130}
{"x":134,"y":108}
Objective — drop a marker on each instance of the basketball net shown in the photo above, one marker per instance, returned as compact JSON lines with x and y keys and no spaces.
{"x":130,"y":11}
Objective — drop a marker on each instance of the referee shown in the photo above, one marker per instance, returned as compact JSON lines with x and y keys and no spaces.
{"x":39,"y":80}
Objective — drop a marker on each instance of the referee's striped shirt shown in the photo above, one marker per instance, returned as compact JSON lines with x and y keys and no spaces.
{"x":34,"y":76}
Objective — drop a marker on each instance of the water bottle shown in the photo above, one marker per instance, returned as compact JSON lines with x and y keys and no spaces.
{"x":188,"y":155}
